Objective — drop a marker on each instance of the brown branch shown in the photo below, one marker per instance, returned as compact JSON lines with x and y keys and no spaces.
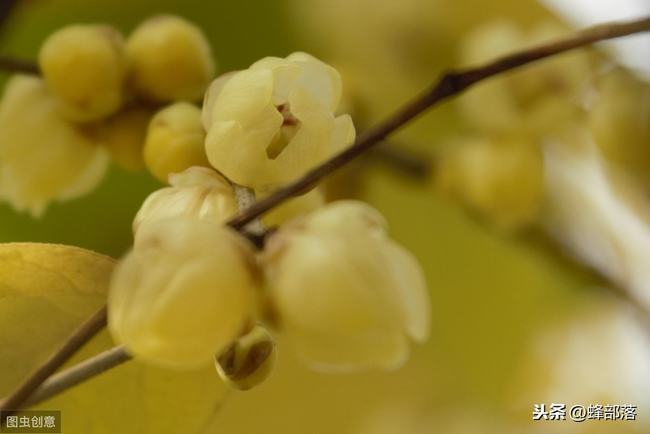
{"x":6,"y":8}
{"x":7,"y":63}
{"x":452,"y":83}
{"x":21,"y":66}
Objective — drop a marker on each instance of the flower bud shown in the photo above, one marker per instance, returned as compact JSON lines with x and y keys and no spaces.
{"x":43,"y":157}
{"x":123,"y":135}
{"x":175,"y":141}
{"x":269,"y":124}
{"x":502,"y":179}
{"x":170,"y":59}
{"x":345,"y":294}
{"x":197,"y":192}
{"x":186,"y":291}
{"x":248,"y":361}
{"x":85,"y":67}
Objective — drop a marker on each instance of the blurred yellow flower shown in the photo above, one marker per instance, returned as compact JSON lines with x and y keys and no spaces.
{"x":43,"y":157}
{"x":85,"y":67}
{"x":536,"y":99}
{"x":501,"y":178}
{"x":345,"y":294}
{"x":175,"y":141}
{"x":170,"y":59}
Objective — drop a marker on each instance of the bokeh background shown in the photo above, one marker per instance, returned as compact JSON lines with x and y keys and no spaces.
{"x":516,"y":321}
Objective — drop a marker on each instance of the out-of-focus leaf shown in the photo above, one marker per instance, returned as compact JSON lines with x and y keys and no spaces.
{"x":46,"y":291}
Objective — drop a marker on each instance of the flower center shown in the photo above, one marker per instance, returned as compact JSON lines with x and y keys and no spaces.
{"x":286,"y":133}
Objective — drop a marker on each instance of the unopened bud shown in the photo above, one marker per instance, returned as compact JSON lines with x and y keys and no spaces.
{"x":248,"y":361}
{"x":198,"y":192}
{"x":175,"y":141}
{"x":85,"y":67}
{"x":170,"y":59}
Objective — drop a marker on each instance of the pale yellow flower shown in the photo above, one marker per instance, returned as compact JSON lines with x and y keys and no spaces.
{"x":500,"y":178}
{"x":346,"y":295}
{"x":185,"y":292}
{"x":43,"y":157}
{"x":270,"y":123}
{"x":197,"y":192}
{"x":170,"y":59}
{"x":85,"y":67}
{"x":175,"y":141}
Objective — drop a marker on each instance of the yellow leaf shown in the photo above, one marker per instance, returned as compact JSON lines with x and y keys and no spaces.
{"x":46,"y":291}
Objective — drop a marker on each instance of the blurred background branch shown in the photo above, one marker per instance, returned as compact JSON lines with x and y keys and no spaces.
{"x":15,"y":65}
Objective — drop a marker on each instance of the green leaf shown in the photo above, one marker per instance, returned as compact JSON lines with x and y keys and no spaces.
{"x":46,"y":291}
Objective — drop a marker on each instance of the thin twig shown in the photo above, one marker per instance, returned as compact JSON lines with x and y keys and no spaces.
{"x":7,"y":63}
{"x":79,"y":373}
{"x":16,"y":65}
{"x":79,"y":337}
{"x":6,"y":8}
{"x":452,"y":83}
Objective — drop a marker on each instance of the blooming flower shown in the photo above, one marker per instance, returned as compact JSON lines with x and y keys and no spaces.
{"x":345,"y":294}
{"x":272,"y":122}
{"x":43,"y":157}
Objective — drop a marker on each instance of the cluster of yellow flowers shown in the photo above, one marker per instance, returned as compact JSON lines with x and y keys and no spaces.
{"x":345,"y":295}
{"x":194,"y":291}
{"x":498,"y":168}
{"x":95,"y":99}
